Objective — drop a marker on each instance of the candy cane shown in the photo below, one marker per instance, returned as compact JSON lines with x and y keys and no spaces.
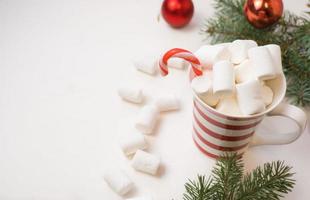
{"x":180,"y":53}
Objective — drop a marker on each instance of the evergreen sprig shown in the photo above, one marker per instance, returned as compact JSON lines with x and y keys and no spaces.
{"x":291,"y":32}
{"x":228,"y":182}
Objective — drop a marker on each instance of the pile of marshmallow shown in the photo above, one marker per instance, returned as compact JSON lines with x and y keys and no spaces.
{"x":132,"y":141}
{"x":235,"y":79}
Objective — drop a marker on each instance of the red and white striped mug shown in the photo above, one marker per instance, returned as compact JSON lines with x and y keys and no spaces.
{"x":216,"y":133}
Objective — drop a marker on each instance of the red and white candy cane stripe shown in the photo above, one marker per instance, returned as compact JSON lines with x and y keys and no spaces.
{"x":180,"y":53}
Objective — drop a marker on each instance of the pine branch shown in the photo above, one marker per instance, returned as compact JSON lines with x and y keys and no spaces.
{"x":199,"y":190}
{"x":268,"y":182}
{"x":227,"y":174}
{"x":291,"y":32}
{"x":227,"y":182}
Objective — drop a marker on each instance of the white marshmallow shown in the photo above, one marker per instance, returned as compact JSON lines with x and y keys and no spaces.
{"x":262,"y":83}
{"x":134,"y":95}
{"x":267,"y":94}
{"x":244,"y":72}
{"x":261,"y":60}
{"x":167,"y":103}
{"x":118,"y":181}
{"x":145,"y":162}
{"x":210,"y":99}
{"x":177,"y":63}
{"x":229,"y":106}
{"x":223,"y":79}
{"x":249,"y":97}
{"x":146,"y":64}
{"x":141,"y":198}
{"x":209,"y":54}
{"x":275,"y":52}
{"x":147,"y":118}
{"x":130,"y":142}
{"x":239,"y":50}
{"x":202,"y":85}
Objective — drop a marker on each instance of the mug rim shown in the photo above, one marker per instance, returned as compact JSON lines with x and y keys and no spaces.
{"x":281,"y":97}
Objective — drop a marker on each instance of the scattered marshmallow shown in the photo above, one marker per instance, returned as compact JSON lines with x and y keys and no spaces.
{"x":141,"y":198}
{"x":223,"y":78}
{"x":275,"y":52}
{"x":118,"y":181}
{"x":229,"y":106}
{"x":145,"y":162}
{"x":167,"y":103}
{"x":249,"y":97}
{"x":147,"y":118}
{"x":267,"y":94}
{"x":177,"y":63}
{"x":134,"y":95}
{"x":147,"y":65}
{"x":262,"y":62}
{"x":239,"y":50}
{"x":209,"y":54}
{"x":244,"y":71}
{"x":131,"y":142}
{"x":202,"y":86}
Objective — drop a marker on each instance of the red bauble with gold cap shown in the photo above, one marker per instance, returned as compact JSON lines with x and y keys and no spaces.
{"x":177,"y":13}
{"x":263,"y":13}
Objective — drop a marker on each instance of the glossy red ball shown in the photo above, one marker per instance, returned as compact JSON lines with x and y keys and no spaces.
{"x":263,"y":13}
{"x":177,"y":13}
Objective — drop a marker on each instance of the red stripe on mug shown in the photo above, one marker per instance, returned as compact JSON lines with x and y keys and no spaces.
{"x":211,"y":154}
{"x":219,"y":136}
{"x":221,"y":148}
{"x":204,"y":151}
{"x":225,"y":126}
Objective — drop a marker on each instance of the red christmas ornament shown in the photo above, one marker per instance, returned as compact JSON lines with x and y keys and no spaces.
{"x":177,"y":13}
{"x":263,"y":13}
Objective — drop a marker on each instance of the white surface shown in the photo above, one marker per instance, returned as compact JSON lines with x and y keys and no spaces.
{"x":60,"y":65}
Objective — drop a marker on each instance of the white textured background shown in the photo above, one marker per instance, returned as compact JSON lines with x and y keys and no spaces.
{"x":60,"y":64}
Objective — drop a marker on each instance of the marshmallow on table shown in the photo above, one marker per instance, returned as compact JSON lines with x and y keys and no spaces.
{"x":209,"y":54}
{"x":223,"y":78}
{"x":262,"y":62}
{"x":275,"y":52}
{"x":167,"y":103}
{"x":141,"y":198}
{"x":118,"y":181}
{"x":249,"y":95}
{"x":239,"y":50}
{"x":134,"y":95}
{"x":229,"y":106}
{"x":146,"y":64}
{"x":131,"y":142}
{"x":267,"y":94}
{"x":244,"y":72}
{"x":147,"y":118}
{"x":145,"y":162}
{"x":177,"y":63}
{"x":202,"y":86}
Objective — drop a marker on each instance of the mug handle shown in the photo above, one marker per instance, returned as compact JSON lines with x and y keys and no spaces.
{"x":286,"y":110}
